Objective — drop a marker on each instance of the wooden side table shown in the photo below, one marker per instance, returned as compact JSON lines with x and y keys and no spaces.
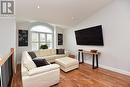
{"x":94,"y":56}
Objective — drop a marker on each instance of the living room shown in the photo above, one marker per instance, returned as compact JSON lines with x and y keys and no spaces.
{"x":48,"y":29}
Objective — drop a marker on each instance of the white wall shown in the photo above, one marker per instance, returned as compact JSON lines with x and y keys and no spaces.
{"x":58,"y":30}
{"x":7,"y":34}
{"x":115,"y":18}
{"x":24,"y":25}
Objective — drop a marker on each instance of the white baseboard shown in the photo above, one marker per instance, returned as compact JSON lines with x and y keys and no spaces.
{"x":111,"y":68}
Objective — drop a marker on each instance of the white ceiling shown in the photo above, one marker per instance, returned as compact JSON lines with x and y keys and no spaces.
{"x":61,"y":12}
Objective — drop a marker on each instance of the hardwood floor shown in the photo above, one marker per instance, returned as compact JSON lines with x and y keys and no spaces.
{"x":17,"y":79}
{"x":85,"y":76}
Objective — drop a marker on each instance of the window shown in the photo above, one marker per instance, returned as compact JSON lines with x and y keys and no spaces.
{"x":41,"y":35}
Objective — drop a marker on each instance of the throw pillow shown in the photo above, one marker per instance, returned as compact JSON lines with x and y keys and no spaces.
{"x":60,"y":51}
{"x":29,"y":65}
{"x":40,"y":62}
{"x":27,"y":61}
{"x":32,"y":54}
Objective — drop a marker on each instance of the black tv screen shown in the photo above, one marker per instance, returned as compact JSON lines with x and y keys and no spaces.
{"x":90,"y":36}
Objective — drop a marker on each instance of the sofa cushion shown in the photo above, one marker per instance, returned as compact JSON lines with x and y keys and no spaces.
{"x":49,"y":57}
{"x":29,"y":65}
{"x":37,"y":53}
{"x":45,"y":52}
{"x":60,"y":51}
{"x":53,"y":57}
{"x":32,"y":54}
{"x":59,"y":56}
{"x":40,"y":62}
{"x":26,"y":56}
{"x":53,"y":51}
{"x":24,"y":71}
{"x":43,"y":69}
{"x":27,"y":61}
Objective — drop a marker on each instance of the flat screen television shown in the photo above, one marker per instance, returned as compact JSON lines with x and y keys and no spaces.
{"x":90,"y":36}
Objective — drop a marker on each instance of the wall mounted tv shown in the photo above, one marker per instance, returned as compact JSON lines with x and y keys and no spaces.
{"x":90,"y":36}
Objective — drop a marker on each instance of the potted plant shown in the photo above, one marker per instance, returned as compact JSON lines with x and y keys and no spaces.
{"x":44,"y":46}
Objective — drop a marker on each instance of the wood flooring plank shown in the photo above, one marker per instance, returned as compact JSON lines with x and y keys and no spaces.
{"x":85,"y":76}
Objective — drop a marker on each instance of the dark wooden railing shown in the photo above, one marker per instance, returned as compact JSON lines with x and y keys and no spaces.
{"x":7,"y":69}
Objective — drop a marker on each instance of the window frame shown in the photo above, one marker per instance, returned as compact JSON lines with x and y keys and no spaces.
{"x":39,"y":42}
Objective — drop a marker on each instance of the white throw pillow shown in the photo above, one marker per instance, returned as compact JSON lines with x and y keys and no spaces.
{"x":53,"y":51}
{"x":27,"y":61}
{"x":45,"y":52}
{"x":24,"y":71}
{"x":29,"y":65}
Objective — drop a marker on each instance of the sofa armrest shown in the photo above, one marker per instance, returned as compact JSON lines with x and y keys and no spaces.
{"x":43,"y":69}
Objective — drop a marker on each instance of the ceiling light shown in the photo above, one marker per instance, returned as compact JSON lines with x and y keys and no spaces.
{"x":73,"y":18}
{"x":38,"y":6}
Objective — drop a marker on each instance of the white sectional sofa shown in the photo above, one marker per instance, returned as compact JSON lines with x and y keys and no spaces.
{"x":50,"y":54}
{"x":33,"y":76}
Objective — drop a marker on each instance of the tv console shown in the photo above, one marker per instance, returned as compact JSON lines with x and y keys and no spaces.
{"x":94,"y":56}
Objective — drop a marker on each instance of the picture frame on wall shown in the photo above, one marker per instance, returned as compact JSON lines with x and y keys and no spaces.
{"x":60,"y":39}
{"x":22,"y":37}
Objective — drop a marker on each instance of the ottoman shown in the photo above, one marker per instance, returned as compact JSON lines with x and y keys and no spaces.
{"x":67,"y":63}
